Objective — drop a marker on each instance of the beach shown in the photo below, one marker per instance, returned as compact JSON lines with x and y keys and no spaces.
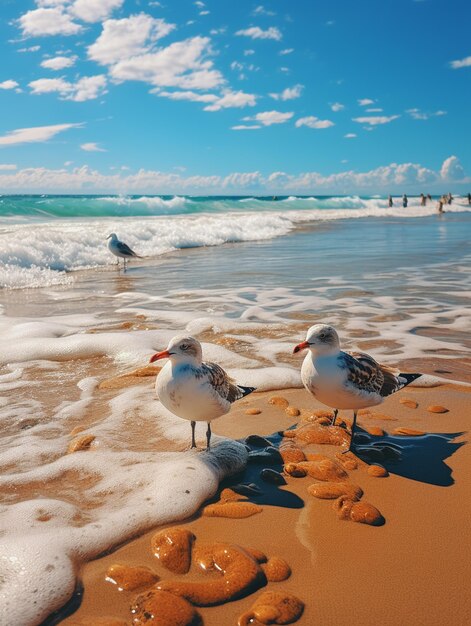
{"x":93,"y":466}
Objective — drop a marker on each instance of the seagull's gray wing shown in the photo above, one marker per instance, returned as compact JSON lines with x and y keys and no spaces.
{"x":222,"y":384}
{"x":125,"y":249}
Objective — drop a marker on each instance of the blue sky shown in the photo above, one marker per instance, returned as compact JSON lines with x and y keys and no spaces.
{"x":305,"y":96}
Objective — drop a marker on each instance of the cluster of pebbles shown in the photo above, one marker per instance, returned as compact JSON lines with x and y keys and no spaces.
{"x":236,"y":571}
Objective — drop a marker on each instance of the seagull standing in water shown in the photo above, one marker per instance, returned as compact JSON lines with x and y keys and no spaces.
{"x":194,"y":390}
{"x":345,"y":380}
{"x":120,"y":249}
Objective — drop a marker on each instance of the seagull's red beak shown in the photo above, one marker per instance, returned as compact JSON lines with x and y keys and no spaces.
{"x":301,"y":346}
{"x":160,"y":355}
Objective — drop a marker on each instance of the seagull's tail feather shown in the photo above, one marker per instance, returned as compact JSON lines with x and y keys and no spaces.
{"x":406,"y":379}
{"x":246,"y":390}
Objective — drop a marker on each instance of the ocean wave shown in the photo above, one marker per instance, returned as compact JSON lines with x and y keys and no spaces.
{"x":46,"y":254}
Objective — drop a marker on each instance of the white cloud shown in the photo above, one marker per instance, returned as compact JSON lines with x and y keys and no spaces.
{"x":255,"y":32}
{"x":290,"y":93}
{"x":246,"y":127}
{"x":452,"y":170}
{"x":94,"y":10}
{"x":374,"y":120}
{"x":7,"y":167}
{"x":200,"y":4}
{"x":350,"y":136}
{"x":34,"y":134}
{"x":30,"y":49}
{"x":86,"y":88}
{"x":417,"y":114}
{"x":9,"y":84}
{"x":387,"y":178}
{"x":466,"y":62}
{"x":286,"y":51}
{"x":336,"y":107}
{"x":267,"y":118}
{"x":248,"y":52}
{"x":205,"y":12}
{"x":42,"y":22}
{"x":313,"y":122}
{"x":91,"y":147}
{"x":182,"y":64}
{"x":186,"y":95}
{"x":232,"y":99}
{"x":58,"y":63}
{"x":364,"y":102}
{"x":376,"y":110}
{"x":261,"y":10}
{"x":126,"y":38}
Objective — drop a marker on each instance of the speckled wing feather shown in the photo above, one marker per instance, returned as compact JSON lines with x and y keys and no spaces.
{"x":362,"y":371}
{"x":125,"y":249}
{"x":223,"y":384}
{"x":366,"y":374}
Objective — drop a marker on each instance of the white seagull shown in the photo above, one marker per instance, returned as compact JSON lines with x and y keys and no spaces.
{"x":345,"y":380}
{"x":194,"y":390}
{"x":120,"y":249}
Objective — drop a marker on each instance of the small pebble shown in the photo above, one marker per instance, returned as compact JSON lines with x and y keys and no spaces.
{"x":437,"y":408}
{"x":331,"y":491}
{"x":271,"y":476}
{"x":276,"y":569}
{"x":378,"y":471}
{"x":253,"y":411}
{"x":412,"y":404}
{"x":130,"y":578}
{"x":80,"y":443}
{"x":361,"y":512}
{"x":292,"y":411}
{"x":278,"y":401}
{"x":269,"y":455}
{"x":408,"y":432}
{"x":247,"y":490}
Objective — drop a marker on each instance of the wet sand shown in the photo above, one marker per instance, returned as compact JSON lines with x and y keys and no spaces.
{"x":414,"y":568}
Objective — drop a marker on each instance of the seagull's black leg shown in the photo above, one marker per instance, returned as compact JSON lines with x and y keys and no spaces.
{"x":124,"y":265}
{"x":193,"y":441}
{"x":354,"y":423}
{"x":335,"y":417}
{"x":208,"y":437}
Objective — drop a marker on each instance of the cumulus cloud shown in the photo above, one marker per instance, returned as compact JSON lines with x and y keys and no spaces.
{"x":58,"y":63}
{"x":374,"y":120}
{"x":183,"y":64}
{"x":94,"y":10}
{"x":128,"y":37}
{"x":255,"y":32}
{"x":7,"y":167}
{"x":313,"y":122}
{"x":48,"y":21}
{"x":336,"y":107}
{"x":350,"y":136}
{"x":395,"y":176}
{"x":9,"y":84}
{"x":193,"y":96}
{"x":267,"y":118}
{"x":91,"y":147}
{"x":261,"y":10}
{"x":86,"y":88}
{"x":290,"y":93}
{"x":364,"y":102}
{"x":466,"y":62}
{"x":452,"y":170}
{"x":34,"y":134}
{"x":232,"y":99}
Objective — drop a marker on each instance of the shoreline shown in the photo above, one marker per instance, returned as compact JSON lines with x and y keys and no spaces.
{"x":345,"y":573}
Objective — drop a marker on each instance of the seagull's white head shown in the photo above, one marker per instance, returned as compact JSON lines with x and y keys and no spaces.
{"x":113,"y":236}
{"x":181,"y":350}
{"x":320,"y":339}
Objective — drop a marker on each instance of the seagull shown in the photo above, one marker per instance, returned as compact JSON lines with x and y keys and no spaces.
{"x":120,"y":249}
{"x":345,"y":380}
{"x":194,"y":390}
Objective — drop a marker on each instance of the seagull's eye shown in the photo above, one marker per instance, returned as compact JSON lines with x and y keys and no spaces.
{"x":184,"y":346}
{"x":322,"y":336}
